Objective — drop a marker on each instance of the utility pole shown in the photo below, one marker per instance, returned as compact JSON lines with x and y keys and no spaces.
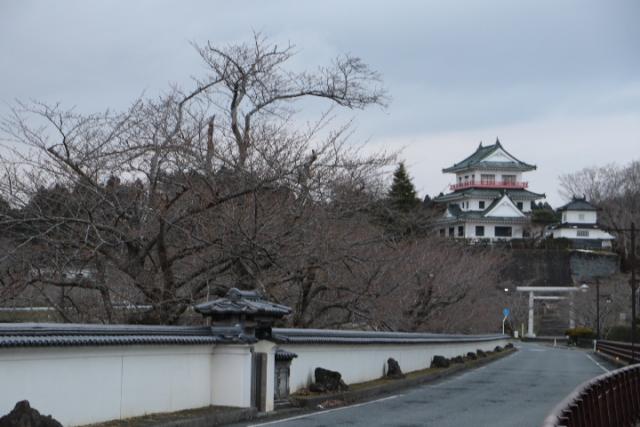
{"x":597,"y":309}
{"x":633,"y":292}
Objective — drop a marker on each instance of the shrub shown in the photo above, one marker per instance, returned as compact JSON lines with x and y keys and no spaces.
{"x":620,"y":333}
{"x":580,"y":332}
{"x":440,"y":362}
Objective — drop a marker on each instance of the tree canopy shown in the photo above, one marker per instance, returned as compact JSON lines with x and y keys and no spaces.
{"x":402,"y":194}
{"x":134,"y":216}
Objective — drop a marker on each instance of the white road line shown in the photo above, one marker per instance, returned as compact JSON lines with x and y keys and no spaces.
{"x":325,"y":412}
{"x":596,"y":362}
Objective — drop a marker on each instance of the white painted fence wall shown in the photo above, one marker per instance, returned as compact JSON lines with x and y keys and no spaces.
{"x":89,"y":384}
{"x":81,"y":385}
{"x":365,"y":362}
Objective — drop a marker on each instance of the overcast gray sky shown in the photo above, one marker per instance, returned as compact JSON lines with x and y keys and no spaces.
{"x":557,"y":80}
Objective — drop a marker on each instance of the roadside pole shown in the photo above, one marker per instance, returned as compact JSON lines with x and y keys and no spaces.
{"x":633,"y":293}
{"x":505,"y":313}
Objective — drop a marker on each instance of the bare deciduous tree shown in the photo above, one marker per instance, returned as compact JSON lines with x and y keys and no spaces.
{"x":615,"y":190}
{"x":183,"y":196}
{"x":186,"y":193}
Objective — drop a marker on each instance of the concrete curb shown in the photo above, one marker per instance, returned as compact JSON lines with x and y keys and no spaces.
{"x":356,"y":395}
{"x":202,"y":417}
{"x":213,"y":419}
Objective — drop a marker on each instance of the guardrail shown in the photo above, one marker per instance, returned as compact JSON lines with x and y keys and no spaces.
{"x":621,"y":351}
{"x":612,"y":399}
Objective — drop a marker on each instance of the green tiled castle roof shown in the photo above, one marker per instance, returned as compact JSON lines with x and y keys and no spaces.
{"x":578,"y":204}
{"x":475,"y":161}
{"x":478,"y":193}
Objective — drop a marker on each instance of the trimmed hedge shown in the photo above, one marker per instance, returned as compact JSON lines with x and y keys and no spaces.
{"x":579,"y":333}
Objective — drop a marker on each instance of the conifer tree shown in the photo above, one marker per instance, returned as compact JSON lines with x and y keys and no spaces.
{"x":402,"y":194}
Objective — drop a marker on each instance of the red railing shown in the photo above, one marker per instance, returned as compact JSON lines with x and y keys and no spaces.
{"x":612,"y":399}
{"x":494,"y":184}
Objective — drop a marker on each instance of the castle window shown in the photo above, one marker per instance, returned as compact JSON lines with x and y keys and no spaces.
{"x":503,"y":232}
{"x":451,"y":231}
{"x":487,"y":179}
{"x":442,"y":232}
{"x":460,"y":231}
{"x":479,"y":230}
{"x":509,"y":179}
{"x":581,"y":217}
{"x":519,"y":205}
{"x":481,"y":204}
{"x":583,"y":233}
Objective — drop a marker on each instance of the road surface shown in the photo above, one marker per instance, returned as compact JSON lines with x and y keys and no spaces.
{"x":519,"y":390}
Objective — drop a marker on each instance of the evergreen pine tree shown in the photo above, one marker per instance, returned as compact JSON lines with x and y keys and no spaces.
{"x":402,"y":194}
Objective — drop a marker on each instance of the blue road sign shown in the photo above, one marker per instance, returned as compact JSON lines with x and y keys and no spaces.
{"x":505,"y":312}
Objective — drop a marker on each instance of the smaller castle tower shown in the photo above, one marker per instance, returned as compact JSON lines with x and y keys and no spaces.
{"x":579,"y":224}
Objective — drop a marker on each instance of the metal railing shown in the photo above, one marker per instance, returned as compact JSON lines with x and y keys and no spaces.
{"x":489,"y":184}
{"x":620,"y":351}
{"x":612,"y":399}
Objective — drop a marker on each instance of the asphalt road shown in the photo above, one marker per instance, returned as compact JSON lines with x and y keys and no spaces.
{"x":518,"y":390}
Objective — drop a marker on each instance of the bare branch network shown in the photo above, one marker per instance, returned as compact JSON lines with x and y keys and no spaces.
{"x":134,"y":216}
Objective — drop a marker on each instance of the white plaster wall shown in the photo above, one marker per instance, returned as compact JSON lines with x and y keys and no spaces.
{"x":499,"y":156}
{"x":506,"y":209}
{"x":526,"y":205}
{"x":489,"y":231}
{"x":365,"y":362}
{"x":231,"y":376}
{"x":572,"y":233}
{"x":590,"y":217}
{"x":474,"y":204}
{"x":82,"y":385}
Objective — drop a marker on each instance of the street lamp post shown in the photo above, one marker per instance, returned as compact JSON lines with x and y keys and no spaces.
{"x":633,"y":293}
{"x":597,"y":309}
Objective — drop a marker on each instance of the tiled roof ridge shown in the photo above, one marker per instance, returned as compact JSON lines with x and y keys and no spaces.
{"x":293,"y":336}
{"x":98,"y":329}
{"x":242,"y":302}
{"x":65,"y":334}
{"x":578,"y":204}
{"x":481,"y":153}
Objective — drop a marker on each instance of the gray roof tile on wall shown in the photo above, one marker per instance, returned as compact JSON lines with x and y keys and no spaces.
{"x":325,"y":336}
{"x":56,"y":335}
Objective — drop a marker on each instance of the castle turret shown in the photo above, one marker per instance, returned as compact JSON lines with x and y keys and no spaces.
{"x":489,"y":199}
{"x":579,"y":224}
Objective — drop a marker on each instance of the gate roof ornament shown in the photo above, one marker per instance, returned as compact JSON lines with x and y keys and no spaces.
{"x":244,"y":310}
{"x":238,"y":302}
